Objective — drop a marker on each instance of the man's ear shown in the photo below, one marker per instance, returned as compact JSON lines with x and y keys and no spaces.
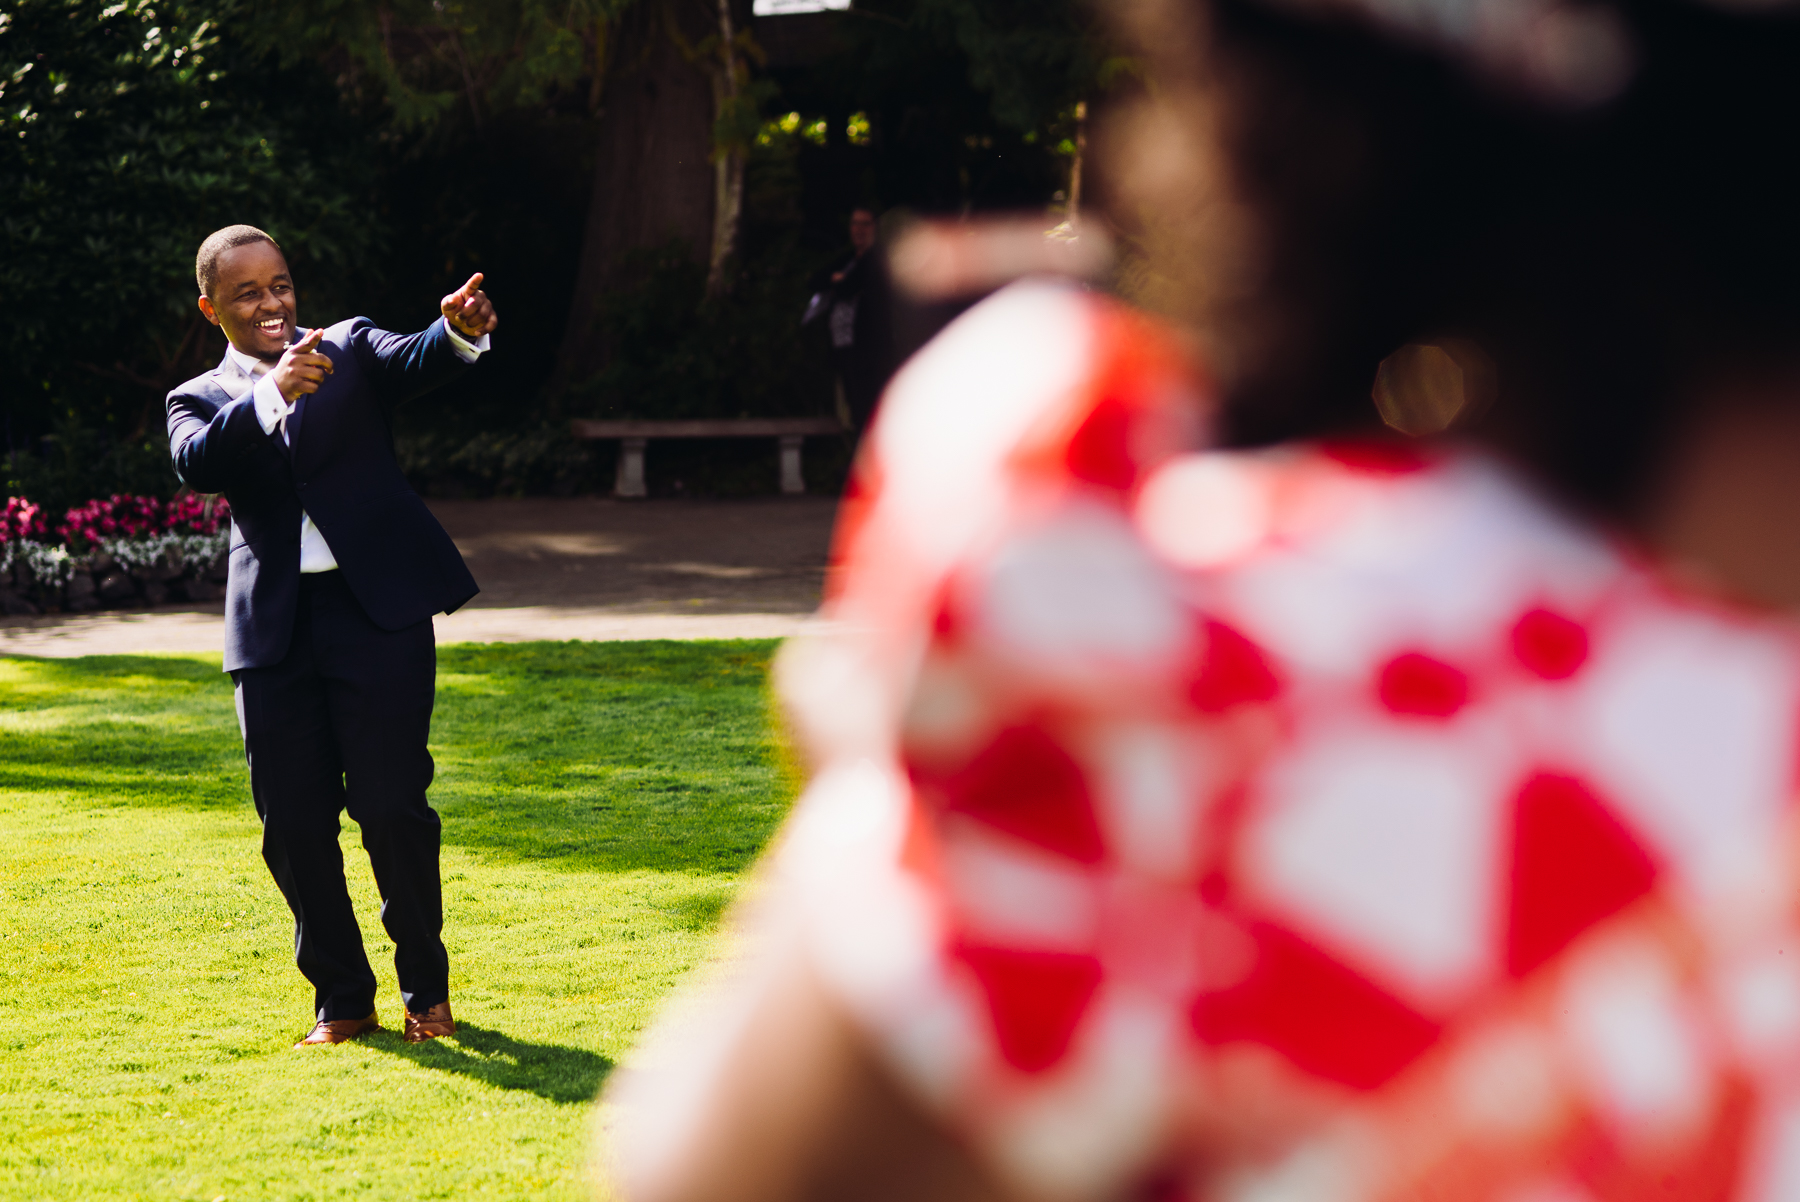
{"x":206,"y":307}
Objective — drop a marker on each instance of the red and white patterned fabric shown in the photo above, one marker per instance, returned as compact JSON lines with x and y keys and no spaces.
{"x":1323,"y":823}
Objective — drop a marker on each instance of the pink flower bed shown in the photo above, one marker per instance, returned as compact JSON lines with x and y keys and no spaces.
{"x":192,"y":513}
{"x":117,"y":550}
{"x":21,"y":519}
{"x":125,"y":516}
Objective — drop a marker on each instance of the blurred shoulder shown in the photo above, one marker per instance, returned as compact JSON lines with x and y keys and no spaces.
{"x":994,"y":368}
{"x":1041,"y":394}
{"x":1041,"y":388}
{"x":1025,"y":370}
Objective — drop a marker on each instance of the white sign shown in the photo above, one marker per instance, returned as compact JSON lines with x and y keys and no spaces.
{"x":783,"y":8}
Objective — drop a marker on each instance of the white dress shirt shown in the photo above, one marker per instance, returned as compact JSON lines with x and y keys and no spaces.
{"x":272,"y":410}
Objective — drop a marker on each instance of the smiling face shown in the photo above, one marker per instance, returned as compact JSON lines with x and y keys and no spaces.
{"x":253,"y":300}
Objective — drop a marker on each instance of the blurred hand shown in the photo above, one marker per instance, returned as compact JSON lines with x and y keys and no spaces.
{"x":301,"y":369}
{"x":469,"y":311}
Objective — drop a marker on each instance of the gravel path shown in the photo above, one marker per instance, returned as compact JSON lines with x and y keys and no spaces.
{"x":587,"y":568}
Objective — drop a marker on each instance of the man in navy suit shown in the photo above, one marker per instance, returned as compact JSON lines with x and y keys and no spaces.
{"x":337,"y":568}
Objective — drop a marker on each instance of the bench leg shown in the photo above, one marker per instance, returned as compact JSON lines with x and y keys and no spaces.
{"x":792,"y":482}
{"x":629,"y":482}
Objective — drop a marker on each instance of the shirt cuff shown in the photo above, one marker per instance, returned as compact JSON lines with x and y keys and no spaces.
{"x":465,"y":350}
{"x":270,"y":405}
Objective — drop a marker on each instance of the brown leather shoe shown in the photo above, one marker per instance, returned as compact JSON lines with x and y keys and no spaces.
{"x":340,"y":1030}
{"x":429,"y":1025}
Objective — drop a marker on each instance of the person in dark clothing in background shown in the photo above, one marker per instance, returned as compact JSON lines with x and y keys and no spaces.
{"x":856,"y":301}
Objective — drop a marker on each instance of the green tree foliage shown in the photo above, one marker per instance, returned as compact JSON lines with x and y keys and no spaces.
{"x":128,"y":131}
{"x":972,"y":104}
{"x":432,"y":63}
{"x":1032,"y":59}
{"x":679,"y":353}
{"x":395,"y":145}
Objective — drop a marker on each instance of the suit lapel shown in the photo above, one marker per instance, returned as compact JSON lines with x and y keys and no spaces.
{"x":232,"y":378}
{"x":295,"y":422}
{"x":312,"y":416}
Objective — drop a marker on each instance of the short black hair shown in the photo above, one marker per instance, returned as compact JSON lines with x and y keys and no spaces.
{"x":206,"y":262}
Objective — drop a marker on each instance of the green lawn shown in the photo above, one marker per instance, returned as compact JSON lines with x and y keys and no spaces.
{"x":600,"y":804}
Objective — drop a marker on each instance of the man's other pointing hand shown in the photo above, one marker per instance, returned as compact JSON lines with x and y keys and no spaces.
{"x":469,"y":311}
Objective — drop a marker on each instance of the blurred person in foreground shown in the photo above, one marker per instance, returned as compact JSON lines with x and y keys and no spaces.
{"x":1328,"y":815}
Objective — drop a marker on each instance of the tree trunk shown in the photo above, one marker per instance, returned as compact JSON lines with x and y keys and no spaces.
{"x":1080,"y":155}
{"x":729,"y":209}
{"x":654,"y":180}
{"x":728,"y":161}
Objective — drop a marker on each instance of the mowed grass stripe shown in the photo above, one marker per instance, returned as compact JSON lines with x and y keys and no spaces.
{"x":600,"y":803}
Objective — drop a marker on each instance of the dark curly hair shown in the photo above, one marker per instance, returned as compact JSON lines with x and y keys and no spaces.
{"x":1318,"y":192}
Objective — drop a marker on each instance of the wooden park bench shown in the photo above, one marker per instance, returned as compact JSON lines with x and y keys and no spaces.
{"x":634,"y":436}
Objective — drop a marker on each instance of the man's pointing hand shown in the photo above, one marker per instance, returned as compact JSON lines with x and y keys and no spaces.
{"x":301,"y":369}
{"x":469,"y":311}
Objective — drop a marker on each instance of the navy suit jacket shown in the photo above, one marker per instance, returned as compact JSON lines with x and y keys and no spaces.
{"x":340,"y":468}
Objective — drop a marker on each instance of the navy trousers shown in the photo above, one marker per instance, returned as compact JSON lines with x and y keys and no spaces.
{"x":341,"y":724}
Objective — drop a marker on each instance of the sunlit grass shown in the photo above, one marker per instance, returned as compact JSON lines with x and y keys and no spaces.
{"x":600,"y":802}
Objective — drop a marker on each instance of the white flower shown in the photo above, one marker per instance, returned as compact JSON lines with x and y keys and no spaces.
{"x":171,"y":550}
{"x":48,"y":565}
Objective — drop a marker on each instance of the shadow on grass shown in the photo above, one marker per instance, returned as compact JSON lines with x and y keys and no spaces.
{"x":87,"y":669}
{"x":590,"y":757}
{"x":551,"y":1071}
